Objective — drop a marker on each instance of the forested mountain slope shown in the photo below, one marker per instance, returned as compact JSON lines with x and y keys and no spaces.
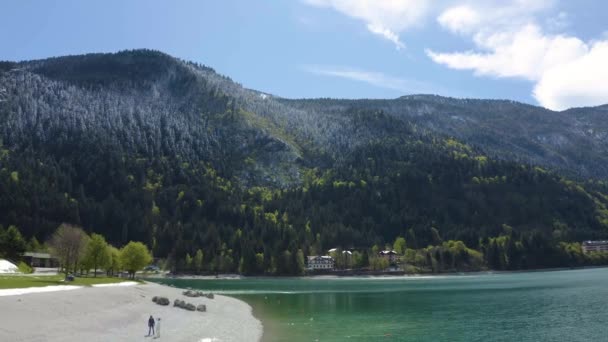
{"x":575,"y":141}
{"x":140,"y":103}
{"x":152,"y":104}
{"x":139,"y":145}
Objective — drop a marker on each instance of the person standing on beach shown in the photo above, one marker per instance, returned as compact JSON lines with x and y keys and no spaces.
{"x":151,"y":323}
{"x":158,"y":328}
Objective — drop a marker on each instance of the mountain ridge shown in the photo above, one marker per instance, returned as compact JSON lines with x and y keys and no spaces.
{"x":139,"y":145}
{"x":573,"y":142}
{"x":6,"y":65}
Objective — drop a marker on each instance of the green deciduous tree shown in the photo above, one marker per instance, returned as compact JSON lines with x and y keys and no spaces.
{"x":357,"y":260}
{"x":82,"y":264}
{"x":134,"y":256}
{"x":300,"y":263}
{"x":198,"y":261}
{"x":399,"y":245}
{"x":114,"y":260}
{"x":259,"y":262}
{"x":378,"y":263}
{"x":375,"y":250}
{"x":97,"y":254}
{"x":188,"y":261}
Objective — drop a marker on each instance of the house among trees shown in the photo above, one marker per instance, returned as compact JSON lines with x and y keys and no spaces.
{"x":389,"y":255}
{"x":337,"y":251}
{"x":347,"y":257}
{"x":594,"y":246}
{"x":343,"y":258}
{"x":35,"y":259}
{"x":320,"y":262}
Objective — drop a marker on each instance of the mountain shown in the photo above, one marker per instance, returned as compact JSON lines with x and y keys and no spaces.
{"x":575,"y":141}
{"x":149,"y":103}
{"x":139,"y":145}
{"x":140,"y":103}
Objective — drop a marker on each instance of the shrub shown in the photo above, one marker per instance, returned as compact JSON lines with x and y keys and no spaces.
{"x":25,"y":268}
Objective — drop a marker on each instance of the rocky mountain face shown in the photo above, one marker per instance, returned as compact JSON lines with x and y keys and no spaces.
{"x":151,"y":104}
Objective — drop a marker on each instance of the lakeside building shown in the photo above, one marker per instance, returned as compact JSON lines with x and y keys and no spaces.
{"x":320,"y":262}
{"x":594,"y":246}
{"x":35,"y":259}
{"x":389,"y":255}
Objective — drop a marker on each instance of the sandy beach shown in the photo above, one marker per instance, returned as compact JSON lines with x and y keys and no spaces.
{"x":120,"y":313}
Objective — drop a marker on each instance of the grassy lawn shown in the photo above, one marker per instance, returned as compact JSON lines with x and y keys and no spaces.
{"x":21,"y":281}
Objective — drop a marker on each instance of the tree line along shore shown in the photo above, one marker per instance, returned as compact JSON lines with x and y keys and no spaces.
{"x":80,"y":253}
{"x":76,"y":252}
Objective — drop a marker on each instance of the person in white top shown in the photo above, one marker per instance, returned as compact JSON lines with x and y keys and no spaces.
{"x":158,"y":328}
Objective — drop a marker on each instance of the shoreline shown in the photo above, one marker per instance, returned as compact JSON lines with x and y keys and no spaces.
{"x":363,"y":275}
{"x":120,"y":313}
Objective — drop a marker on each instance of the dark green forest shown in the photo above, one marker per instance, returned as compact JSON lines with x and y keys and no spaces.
{"x":208,"y":166}
{"x":427,"y":192}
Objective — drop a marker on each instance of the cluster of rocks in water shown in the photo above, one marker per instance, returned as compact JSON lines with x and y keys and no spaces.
{"x":182,"y":304}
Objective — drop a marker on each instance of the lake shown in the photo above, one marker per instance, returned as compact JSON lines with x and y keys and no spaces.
{"x":535,"y":306}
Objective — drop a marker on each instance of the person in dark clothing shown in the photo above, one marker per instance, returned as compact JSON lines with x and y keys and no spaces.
{"x":151,"y":323}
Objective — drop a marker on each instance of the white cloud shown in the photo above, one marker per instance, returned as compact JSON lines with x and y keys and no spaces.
{"x":459,"y":19}
{"x":525,"y":53}
{"x":566,"y":71}
{"x":385,"y":18}
{"x":374,"y":78}
{"x":490,"y":15}
{"x":580,"y":82}
{"x":386,"y":34}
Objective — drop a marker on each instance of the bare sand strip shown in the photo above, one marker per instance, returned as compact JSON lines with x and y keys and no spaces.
{"x":120,"y":313}
{"x":42,"y":289}
{"x":55,"y":288}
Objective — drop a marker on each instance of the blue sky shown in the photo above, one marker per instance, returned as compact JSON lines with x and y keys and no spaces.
{"x":546,"y":52}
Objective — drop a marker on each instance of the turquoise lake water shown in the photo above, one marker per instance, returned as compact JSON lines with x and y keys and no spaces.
{"x":536,"y":306}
